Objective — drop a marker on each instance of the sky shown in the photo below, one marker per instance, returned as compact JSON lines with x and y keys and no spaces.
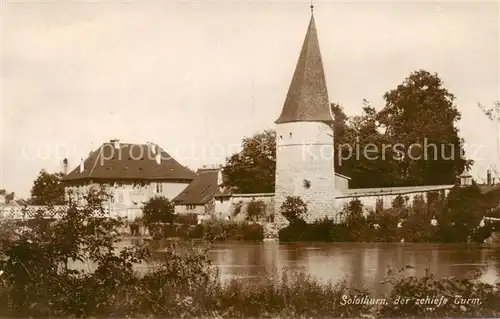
{"x":196,"y":77}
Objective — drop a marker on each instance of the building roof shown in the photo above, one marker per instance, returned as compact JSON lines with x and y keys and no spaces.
{"x":201,"y":190}
{"x":131,"y":161}
{"x":307,"y":98}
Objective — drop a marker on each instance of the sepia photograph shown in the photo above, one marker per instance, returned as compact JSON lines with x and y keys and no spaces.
{"x":249,"y":159}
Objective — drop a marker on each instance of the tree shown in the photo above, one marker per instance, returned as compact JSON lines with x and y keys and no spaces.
{"x":463,"y":212}
{"x":158,"y":210}
{"x":360,"y":150}
{"x":421,"y":111}
{"x":293,"y":209}
{"x":255,"y":210}
{"x":35,"y":262}
{"x":9,"y":197}
{"x":253,"y":169}
{"x":48,"y":189}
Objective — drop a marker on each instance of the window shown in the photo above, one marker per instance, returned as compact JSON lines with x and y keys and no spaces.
{"x":190,"y":207}
{"x":159,"y":187}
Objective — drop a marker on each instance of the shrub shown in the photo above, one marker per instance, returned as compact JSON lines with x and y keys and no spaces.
{"x":186,"y":219}
{"x":158,"y":210}
{"x":237,"y":208}
{"x":484,"y":299}
{"x":255,"y":210}
{"x":293,"y":208}
{"x":398,"y":202}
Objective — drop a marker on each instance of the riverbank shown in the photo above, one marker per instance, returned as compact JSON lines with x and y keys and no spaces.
{"x":185,"y":287}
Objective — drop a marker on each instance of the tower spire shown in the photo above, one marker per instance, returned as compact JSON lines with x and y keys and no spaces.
{"x":307,"y":98}
{"x":312,"y":7}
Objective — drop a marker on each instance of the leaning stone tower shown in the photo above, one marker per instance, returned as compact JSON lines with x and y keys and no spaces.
{"x":304,"y":137}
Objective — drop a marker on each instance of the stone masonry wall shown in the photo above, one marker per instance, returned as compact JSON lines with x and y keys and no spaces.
{"x":304,"y":168}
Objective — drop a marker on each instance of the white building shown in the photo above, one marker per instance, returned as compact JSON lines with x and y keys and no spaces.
{"x":131,"y":173}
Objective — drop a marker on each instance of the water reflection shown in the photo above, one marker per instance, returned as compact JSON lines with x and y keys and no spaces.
{"x":360,"y":265}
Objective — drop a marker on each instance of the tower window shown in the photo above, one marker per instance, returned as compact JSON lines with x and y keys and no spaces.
{"x":307,"y":184}
{"x":290,"y":134}
{"x":281,"y":136}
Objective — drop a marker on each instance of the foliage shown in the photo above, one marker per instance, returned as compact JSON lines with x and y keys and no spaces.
{"x":48,"y":189}
{"x":35,"y":259}
{"x":223,"y":230}
{"x":398,"y":202}
{"x":252,"y":170}
{"x":255,"y":210}
{"x":482,"y":299}
{"x":422,"y":111}
{"x":158,"y":210}
{"x":458,"y":218}
{"x":216,"y":230}
{"x":492,"y":113}
{"x":463,"y":212}
{"x":293,"y":208}
{"x":359,"y":145}
{"x":8,"y":196}
{"x":236,"y":208}
{"x":186,"y":219}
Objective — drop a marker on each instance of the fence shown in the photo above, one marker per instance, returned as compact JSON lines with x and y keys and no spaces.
{"x":54,"y":212}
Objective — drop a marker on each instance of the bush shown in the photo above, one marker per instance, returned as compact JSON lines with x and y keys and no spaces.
{"x":158,"y":210}
{"x":34,"y":257}
{"x":484,"y":299}
{"x":236,"y":208}
{"x":186,"y":219}
{"x":223,"y":230}
{"x":293,"y":208}
{"x":255,"y":210}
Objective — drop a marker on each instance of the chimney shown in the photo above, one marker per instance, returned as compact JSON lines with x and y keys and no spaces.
{"x":65,"y":166}
{"x":116,"y":143}
{"x":158,"y":158}
{"x":82,"y":166}
{"x":488,"y":177}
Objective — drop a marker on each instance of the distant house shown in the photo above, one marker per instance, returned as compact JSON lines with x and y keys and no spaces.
{"x":131,"y":173}
{"x":199,"y":197}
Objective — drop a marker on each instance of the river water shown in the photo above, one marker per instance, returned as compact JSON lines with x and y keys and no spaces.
{"x":360,"y":265}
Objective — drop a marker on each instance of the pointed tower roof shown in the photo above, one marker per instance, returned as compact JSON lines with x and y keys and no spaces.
{"x":307,"y":98}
